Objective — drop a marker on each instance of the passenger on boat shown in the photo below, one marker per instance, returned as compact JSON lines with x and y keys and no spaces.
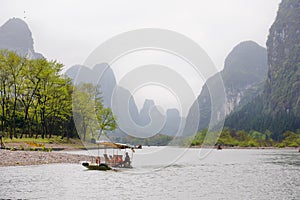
{"x":127,"y":160}
{"x":107,"y":160}
{"x":98,"y":160}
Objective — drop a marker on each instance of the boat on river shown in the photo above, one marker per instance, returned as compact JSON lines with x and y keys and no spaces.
{"x":120,"y":157}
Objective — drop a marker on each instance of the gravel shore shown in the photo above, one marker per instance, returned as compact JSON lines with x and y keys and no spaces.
{"x":21,"y":158}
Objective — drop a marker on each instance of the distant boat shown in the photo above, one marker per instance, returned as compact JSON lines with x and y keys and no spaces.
{"x":105,"y":162}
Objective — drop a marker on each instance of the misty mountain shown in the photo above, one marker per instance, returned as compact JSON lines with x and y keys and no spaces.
{"x":278,"y":108}
{"x":173,"y":120}
{"x":243,"y":76}
{"x":103,"y":76}
{"x":144,"y":112}
{"x":16,"y":36}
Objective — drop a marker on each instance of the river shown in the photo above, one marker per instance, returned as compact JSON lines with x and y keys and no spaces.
{"x":164,"y":173}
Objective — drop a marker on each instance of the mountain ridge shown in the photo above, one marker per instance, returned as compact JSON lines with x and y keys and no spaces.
{"x":16,"y":36}
{"x":244,"y":71}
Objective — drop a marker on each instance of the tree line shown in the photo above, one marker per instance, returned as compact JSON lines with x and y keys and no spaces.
{"x":242,"y":138}
{"x":254,"y":117}
{"x":36,"y":100}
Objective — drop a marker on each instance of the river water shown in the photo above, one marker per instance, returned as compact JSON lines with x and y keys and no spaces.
{"x":164,"y":173}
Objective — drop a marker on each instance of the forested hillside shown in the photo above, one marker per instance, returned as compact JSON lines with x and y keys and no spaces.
{"x":278,"y":108}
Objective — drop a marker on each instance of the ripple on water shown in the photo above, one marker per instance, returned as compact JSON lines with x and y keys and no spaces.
{"x":226,"y":174}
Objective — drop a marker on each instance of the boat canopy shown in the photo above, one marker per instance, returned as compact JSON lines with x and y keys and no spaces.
{"x":115,"y":145}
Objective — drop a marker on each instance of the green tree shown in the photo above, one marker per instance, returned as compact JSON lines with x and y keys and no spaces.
{"x":89,"y":113}
{"x":106,"y":120}
{"x":84,"y":107}
{"x":291,"y":139}
{"x":34,"y":97}
{"x":4,"y":77}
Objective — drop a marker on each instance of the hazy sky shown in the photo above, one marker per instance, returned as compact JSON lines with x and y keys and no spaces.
{"x":69,"y":30}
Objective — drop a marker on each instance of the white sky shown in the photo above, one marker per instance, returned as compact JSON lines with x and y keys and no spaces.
{"x":68,"y":31}
{"x":125,"y":65}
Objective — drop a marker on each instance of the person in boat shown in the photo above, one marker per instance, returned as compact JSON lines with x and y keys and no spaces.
{"x":107,"y":160}
{"x":127,"y":160}
{"x":98,"y":160}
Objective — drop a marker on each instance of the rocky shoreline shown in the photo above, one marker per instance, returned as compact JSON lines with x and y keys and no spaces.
{"x":22,"y":158}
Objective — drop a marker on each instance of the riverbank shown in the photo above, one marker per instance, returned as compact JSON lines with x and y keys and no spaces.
{"x":21,"y":158}
{"x":238,"y":147}
{"x":52,"y":144}
{"x":28,"y":151}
